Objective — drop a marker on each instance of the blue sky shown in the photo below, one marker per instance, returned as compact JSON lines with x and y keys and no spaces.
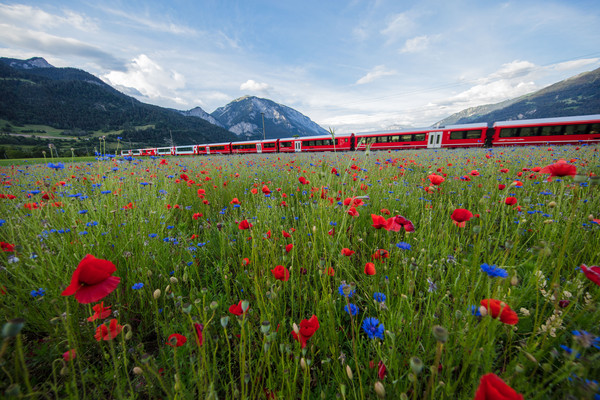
{"x":351,"y":66}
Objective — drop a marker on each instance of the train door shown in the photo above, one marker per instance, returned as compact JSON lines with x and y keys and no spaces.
{"x":207,"y":150}
{"x":435,"y":140}
{"x":258,"y":148}
{"x":297,"y":146}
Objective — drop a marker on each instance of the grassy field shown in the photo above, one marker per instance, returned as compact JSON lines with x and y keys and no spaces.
{"x":409,"y":275}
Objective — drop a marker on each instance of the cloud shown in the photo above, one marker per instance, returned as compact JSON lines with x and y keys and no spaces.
{"x":377,"y":72}
{"x":158,"y":25}
{"x":399,"y":26}
{"x":46,"y":43}
{"x":416,"y":44}
{"x":148,"y":78}
{"x":574,"y":64}
{"x":22,"y":15}
{"x":253,"y":86}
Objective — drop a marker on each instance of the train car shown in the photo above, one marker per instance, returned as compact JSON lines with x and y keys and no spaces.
{"x":217,"y":148}
{"x":166,"y":151}
{"x":564,"y":130}
{"x":186,"y":150}
{"x":248,"y":147}
{"x":326,"y":143}
{"x":397,"y":140}
{"x":268,"y":146}
{"x":125,"y":153}
{"x":148,"y":152}
{"x":290,"y":145}
{"x":467,"y":135}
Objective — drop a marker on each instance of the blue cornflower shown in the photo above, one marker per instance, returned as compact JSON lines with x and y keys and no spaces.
{"x":403,"y":246}
{"x":586,"y":339}
{"x":379,"y":297}
{"x":341,"y":290}
{"x":83,"y":211}
{"x":475,"y":311}
{"x":38,"y":293}
{"x":56,"y":166}
{"x":353,"y":309}
{"x":493,"y":271}
{"x":373,"y":328}
{"x":152,"y":235}
{"x":137,"y":286}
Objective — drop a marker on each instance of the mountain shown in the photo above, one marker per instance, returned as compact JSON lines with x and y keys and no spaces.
{"x":578,"y":95}
{"x":244,"y":117}
{"x":34,"y":92}
{"x":200,"y":113}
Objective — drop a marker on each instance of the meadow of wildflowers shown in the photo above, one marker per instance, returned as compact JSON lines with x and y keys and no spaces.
{"x":438,"y":274}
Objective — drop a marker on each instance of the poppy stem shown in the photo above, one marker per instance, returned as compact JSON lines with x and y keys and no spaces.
{"x":362,"y":393}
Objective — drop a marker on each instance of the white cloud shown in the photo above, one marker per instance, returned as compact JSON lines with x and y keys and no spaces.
{"x":50,"y":44}
{"x":399,"y":26}
{"x":23,"y":15}
{"x":575,"y":64}
{"x":149,"y":79}
{"x":253,"y":86}
{"x":377,"y":72}
{"x":416,"y":44}
{"x":159,"y":25}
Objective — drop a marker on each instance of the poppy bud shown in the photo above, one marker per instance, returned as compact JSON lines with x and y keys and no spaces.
{"x":245,"y":305}
{"x":295,"y":328}
{"x":12,"y":327}
{"x":514,"y":280}
{"x":519,"y":368}
{"x":349,"y":371}
{"x":173,"y":280}
{"x":129,"y":333}
{"x":590,"y":217}
{"x":186,"y":308}
{"x":156,"y":294}
{"x":303,"y":364}
{"x":224,"y":321}
{"x":137,"y":371}
{"x":380,"y":390}
{"x":265,"y":327}
{"x":214,"y":305}
{"x":483,"y":311}
{"x":440,"y":333}
{"x":416,"y":365}
{"x":552,"y":204}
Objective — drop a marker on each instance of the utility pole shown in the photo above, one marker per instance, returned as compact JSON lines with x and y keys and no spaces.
{"x":263,"y":120}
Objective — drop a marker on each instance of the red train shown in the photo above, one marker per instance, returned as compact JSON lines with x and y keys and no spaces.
{"x":549,"y":131}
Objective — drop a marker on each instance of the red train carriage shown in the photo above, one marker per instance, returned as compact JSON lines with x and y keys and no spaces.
{"x":249,"y":147}
{"x":148,"y":152}
{"x":565,"y":130}
{"x":290,"y":145}
{"x":217,"y":148}
{"x":325,"y":143}
{"x":185,"y":150}
{"x":467,"y":135}
{"x":268,"y":146}
{"x":391,"y":140}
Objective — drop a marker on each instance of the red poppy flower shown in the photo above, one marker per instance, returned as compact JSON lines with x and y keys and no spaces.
{"x":501,"y":187}
{"x":347,"y":252}
{"x":289,"y":248}
{"x":198,"y":328}
{"x":395,"y":224}
{"x":235,"y":201}
{"x":352,"y":212}
{"x":183,"y":177}
{"x":303,"y":180}
{"x":560,"y":168}
{"x":7,"y":247}
{"x":385,"y":211}
{"x":176,"y":340}
{"x":380,"y":255}
{"x":100,"y":312}
{"x":285,"y":234}
{"x":370,"y":268}
{"x":509,"y":201}
{"x":108,"y":333}
{"x":491,"y":387}
{"x":592,"y":273}
{"x":281,"y":273}
{"x":498,"y":308}
{"x":474,"y":173}
{"x":378,"y":221}
{"x":460,"y":216}
{"x":69,"y":355}
{"x":236,"y":309}
{"x":196,"y":216}
{"x":308,"y":327}
{"x":266,"y":190}
{"x":436,"y":179}
{"x":92,"y":280}
{"x":381,"y":370}
{"x":246,"y":261}
{"x":244,"y":225}
{"x":163,"y":162}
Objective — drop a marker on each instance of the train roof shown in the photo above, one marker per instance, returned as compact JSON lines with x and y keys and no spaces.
{"x":426,"y":129}
{"x":539,"y":121}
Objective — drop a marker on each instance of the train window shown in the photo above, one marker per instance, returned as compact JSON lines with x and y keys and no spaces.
{"x":419,"y":137}
{"x":473,"y":135}
{"x":580,"y":129}
{"x":185,"y":148}
{"x":456,"y":135}
{"x":285,"y":144}
{"x":268,"y":145}
{"x":552,"y":130}
{"x":509,"y":132}
{"x":405,"y":138}
{"x":594,"y":129}
{"x":217,"y":147}
{"x":529,"y":131}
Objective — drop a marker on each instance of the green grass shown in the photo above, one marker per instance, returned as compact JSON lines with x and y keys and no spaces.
{"x":193,"y":269}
